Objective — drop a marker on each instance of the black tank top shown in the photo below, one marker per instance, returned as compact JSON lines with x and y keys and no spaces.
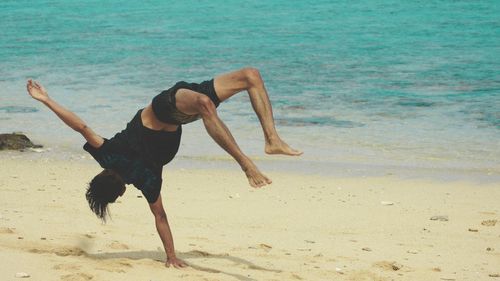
{"x":138,"y":154}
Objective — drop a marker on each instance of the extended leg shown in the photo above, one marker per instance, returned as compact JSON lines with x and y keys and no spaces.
{"x":191,"y":102}
{"x":249,"y":79}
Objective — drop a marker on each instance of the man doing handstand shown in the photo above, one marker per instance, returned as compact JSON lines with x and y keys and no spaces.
{"x":151,"y":139}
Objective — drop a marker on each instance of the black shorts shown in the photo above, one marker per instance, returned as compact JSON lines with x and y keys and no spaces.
{"x":164,"y":103}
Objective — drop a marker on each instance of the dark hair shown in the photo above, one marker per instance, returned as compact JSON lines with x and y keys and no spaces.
{"x":104,"y":188}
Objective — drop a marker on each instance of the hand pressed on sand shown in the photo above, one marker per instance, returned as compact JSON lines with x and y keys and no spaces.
{"x":175,"y":262}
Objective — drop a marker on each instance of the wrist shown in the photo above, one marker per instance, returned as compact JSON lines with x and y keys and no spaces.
{"x":45,"y":100}
{"x":170,"y":252}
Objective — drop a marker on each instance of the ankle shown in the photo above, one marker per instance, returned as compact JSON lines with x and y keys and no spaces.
{"x":272,"y":139}
{"x":247,"y":164}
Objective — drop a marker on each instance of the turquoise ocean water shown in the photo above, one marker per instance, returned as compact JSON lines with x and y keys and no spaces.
{"x":411,"y":84}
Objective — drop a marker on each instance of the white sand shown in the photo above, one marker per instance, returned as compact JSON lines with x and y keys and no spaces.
{"x":299,"y":228}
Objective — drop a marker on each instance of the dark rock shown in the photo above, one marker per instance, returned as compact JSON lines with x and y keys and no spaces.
{"x":16,"y":141}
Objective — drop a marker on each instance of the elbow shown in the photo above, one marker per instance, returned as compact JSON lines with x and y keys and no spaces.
{"x":80,"y":128}
{"x":160,"y":216}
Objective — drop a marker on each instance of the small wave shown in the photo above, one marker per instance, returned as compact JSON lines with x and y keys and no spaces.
{"x":294,"y":107}
{"x":415,"y":103}
{"x":318,"y":121}
{"x":486,"y":113}
{"x":490,"y":119}
{"x":100,"y":106}
{"x":18,"y":109}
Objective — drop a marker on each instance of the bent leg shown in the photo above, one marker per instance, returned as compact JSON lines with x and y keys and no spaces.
{"x":249,"y":79}
{"x":190,"y":102}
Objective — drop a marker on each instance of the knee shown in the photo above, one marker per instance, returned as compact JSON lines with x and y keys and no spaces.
{"x":252,"y":75}
{"x":205,"y":106}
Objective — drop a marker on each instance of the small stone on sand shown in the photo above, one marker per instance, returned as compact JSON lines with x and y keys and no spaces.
{"x":22,"y":275}
{"x":265,"y":246}
{"x":436,"y":269}
{"x":489,"y":222}
{"x":237,"y":195}
{"x":394,"y":266}
{"x":439,"y":218}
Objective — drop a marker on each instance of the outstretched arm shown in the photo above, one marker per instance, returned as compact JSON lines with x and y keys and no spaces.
{"x":39,"y":93}
{"x":165,"y":234}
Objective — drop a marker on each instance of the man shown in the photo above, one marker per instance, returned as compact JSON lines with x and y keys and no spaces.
{"x":151,"y":139}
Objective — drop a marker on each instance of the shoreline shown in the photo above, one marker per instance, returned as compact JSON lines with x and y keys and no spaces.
{"x":286,"y":164}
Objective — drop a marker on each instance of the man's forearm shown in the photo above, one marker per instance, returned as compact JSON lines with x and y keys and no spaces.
{"x":165,"y":235}
{"x":68,"y":117}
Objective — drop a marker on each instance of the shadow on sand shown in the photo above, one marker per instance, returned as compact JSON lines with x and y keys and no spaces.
{"x":159,"y":256}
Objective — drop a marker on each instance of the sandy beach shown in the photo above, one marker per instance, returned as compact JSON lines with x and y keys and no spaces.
{"x":302,"y":227}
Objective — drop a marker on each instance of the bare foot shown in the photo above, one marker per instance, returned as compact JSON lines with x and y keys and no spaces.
{"x":281,"y":147}
{"x":255,"y":177}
